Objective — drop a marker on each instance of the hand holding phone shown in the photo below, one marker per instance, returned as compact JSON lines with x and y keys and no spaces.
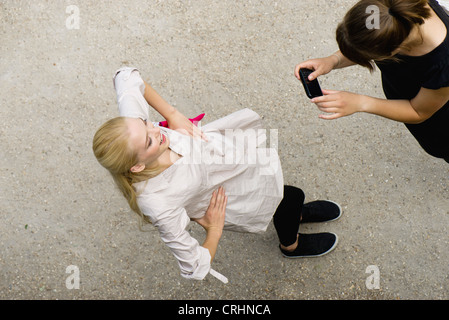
{"x":312,"y":88}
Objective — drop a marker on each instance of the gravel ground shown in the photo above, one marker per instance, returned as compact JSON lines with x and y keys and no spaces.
{"x":59,"y":207}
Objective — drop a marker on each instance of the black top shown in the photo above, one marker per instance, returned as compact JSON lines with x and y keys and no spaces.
{"x":404,"y":79}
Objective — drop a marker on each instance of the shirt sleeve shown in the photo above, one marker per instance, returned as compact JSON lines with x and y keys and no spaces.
{"x":130,"y":89}
{"x":439,"y":76}
{"x":193,"y":259}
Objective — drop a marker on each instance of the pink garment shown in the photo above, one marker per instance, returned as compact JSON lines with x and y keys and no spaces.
{"x":193,"y":120}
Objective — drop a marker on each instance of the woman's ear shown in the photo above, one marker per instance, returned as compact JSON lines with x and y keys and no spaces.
{"x":137,"y":168}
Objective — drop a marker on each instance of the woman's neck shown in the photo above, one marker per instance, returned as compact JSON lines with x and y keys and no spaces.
{"x":166,"y":159}
{"x":426,"y":37}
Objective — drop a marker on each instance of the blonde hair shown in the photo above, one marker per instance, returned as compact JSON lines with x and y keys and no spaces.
{"x":113,"y":151}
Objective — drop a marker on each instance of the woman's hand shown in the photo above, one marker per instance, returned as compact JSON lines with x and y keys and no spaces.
{"x":339,"y":104}
{"x":213,"y":220}
{"x":177,"y":121}
{"x":320,"y":66}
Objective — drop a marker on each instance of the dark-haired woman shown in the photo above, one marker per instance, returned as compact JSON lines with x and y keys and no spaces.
{"x":410,"y":46}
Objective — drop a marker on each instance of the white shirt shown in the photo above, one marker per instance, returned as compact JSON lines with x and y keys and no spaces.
{"x":235,"y":157}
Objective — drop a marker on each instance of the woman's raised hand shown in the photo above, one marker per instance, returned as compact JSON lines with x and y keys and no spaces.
{"x":177,"y":121}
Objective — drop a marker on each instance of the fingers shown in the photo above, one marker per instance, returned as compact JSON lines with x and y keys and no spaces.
{"x":194,"y":131}
{"x":329,"y":104}
{"x":216,"y":212}
{"x":297,"y":67}
{"x":213,"y":199}
{"x":319,"y":66}
{"x":225,"y":202}
{"x":328,"y":92}
{"x":315,"y":74}
{"x":221,"y":198}
{"x":189,"y":129}
{"x":331,"y":116}
{"x":218,"y":199}
{"x":328,"y":96}
{"x":307,"y":65}
{"x":197,"y":132}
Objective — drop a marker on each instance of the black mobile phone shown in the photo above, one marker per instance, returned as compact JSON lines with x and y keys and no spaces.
{"x":312,"y":87}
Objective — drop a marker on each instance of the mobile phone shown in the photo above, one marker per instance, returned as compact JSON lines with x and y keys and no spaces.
{"x":312,"y":88}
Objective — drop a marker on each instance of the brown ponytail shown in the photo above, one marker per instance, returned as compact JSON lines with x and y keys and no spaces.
{"x":397,"y":18}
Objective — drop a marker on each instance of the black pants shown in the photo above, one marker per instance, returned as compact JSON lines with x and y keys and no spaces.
{"x":288,"y":214}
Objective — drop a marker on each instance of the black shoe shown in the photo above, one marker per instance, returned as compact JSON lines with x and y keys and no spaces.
{"x":320,"y":211}
{"x":312,"y":245}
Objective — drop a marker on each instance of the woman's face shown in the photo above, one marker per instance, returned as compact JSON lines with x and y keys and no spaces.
{"x":147,"y":140}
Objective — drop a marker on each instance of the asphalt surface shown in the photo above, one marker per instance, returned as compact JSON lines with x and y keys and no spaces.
{"x":62,"y":219}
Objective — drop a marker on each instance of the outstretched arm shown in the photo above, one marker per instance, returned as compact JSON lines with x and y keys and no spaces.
{"x":176,"y":120}
{"x":339,"y":104}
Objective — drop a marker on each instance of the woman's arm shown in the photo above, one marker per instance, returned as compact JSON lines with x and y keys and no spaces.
{"x":339,"y":104}
{"x":176,"y":120}
{"x":194,"y":259}
{"x":342,"y":61}
{"x":213,"y":221}
{"x":158,"y":103}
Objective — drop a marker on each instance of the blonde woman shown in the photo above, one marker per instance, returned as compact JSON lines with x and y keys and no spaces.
{"x":171,"y":176}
